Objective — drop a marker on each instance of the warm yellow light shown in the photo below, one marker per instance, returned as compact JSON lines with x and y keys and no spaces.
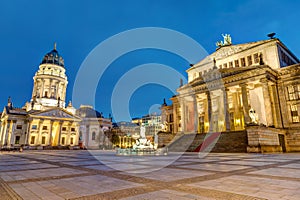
{"x":238,"y":121}
{"x":206,"y":124}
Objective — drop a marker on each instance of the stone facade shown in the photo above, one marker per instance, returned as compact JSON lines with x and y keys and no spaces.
{"x":240,"y":85}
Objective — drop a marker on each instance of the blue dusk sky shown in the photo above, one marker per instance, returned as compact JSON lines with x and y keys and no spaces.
{"x":29,"y":29}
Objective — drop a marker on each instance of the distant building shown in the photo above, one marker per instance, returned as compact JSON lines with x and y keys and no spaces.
{"x":152,"y":123}
{"x":45,"y":120}
{"x":251,"y":87}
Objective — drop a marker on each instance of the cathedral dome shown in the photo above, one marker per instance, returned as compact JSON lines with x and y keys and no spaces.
{"x":53,"y":58}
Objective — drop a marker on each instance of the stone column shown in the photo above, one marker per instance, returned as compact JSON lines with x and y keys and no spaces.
{"x":50,"y":136}
{"x":277,"y":109}
{"x":59,"y":134}
{"x":5,"y":133}
{"x":268,"y":103}
{"x":42,"y":89}
{"x":196,"y":122}
{"x":34,"y":88}
{"x":2,"y":135}
{"x":209,"y":111}
{"x":182,"y":115}
{"x":28,"y":132}
{"x":50,"y":88}
{"x":283,"y":105}
{"x":87,"y":135}
{"x":226,"y":109}
{"x":39,"y":131}
{"x":68,"y":138}
{"x":57,"y":88}
{"x":245,"y":103}
{"x":12,"y":136}
{"x":9,"y":132}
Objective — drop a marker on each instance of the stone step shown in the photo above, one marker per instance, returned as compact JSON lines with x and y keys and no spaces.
{"x":234,"y":141}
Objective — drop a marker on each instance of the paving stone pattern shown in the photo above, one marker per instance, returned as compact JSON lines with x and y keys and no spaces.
{"x":103,"y":175}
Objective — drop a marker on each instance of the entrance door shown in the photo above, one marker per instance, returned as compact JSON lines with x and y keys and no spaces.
{"x":282,"y":142}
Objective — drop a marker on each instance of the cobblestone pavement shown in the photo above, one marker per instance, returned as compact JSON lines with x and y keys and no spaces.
{"x":103,"y":175}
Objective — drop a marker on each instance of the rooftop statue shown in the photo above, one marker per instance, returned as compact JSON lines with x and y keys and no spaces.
{"x":227,"y":41}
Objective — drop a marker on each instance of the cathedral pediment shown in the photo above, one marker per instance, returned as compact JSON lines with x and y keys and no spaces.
{"x":55,"y":113}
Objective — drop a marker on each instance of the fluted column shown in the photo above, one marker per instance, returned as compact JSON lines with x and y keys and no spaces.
{"x":245,"y":103}
{"x":59,"y":134}
{"x":226,"y":109}
{"x":182,"y":119}
{"x":209,"y":111}
{"x":39,"y":131}
{"x":28,"y":131}
{"x":267,"y":102}
{"x":50,"y":136}
{"x":195,"y":114}
{"x":42,"y":89}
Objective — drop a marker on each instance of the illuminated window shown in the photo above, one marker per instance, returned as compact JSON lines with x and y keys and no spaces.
{"x":243,"y":62}
{"x":256,"y":58}
{"x":249,"y":59}
{"x":43,"y":140}
{"x":32,"y":139}
{"x":17,"y":140}
{"x":236,"y":63}
{"x":294,"y":113}
{"x":293,"y":92}
{"x":93,"y":136}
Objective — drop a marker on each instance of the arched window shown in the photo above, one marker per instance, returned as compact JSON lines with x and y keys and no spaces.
{"x":93,"y":136}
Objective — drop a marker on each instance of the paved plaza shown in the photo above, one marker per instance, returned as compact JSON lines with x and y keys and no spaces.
{"x":103,"y":175}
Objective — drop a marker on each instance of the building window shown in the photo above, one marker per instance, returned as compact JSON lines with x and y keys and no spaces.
{"x":72,"y":140}
{"x":243,"y":62}
{"x":34,"y":127}
{"x":44,"y":127}
{"x":46,"y":94}
{"x":32,"y":139}
{"x":230,"y":64}
{"x":256,"y":58}
{"x":19,"y":126}
{"x":294,"y":113}
{"x":293,"y":92}
{"x":220,"y":66}
{"x":80,"y":135}
{"x":63,"y":140}
{"x":72,"y":129}
{"x":225,"y":65}
{"x":93,"y":136}
{"x":17,"y":140}
{"x":249,"y":59}
{"x":236,"y":63}
{"x":43,"y":140}
{"x":64,"y":128}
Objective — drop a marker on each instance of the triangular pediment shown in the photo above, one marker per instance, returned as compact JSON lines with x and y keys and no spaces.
{"x":56,"y":113}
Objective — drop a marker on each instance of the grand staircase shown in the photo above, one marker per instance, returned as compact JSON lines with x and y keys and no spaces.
{"x":234,"y":141}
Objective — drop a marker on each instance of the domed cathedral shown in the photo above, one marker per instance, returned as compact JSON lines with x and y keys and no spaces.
{"x":50,"y":83}
{"x":44,"y":121}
